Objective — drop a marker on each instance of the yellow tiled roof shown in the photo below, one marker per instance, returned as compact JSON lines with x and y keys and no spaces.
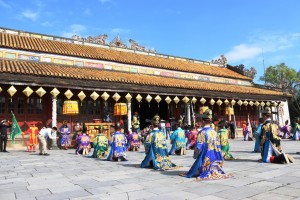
{"x":59,"y":71}
{"x":83,"y":51}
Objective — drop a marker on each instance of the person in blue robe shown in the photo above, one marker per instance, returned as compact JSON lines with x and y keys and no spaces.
{"x":178,"y":141}
{"x":157,"y":152}
{"x":207,"y":152}
{"x":118,"y":146}
{"x":270,"y":142}
{"x":296,"y":130}
{"x":257,"y":134}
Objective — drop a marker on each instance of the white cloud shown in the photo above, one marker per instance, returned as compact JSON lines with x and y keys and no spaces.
{"x":74,"y":29}
{"x":30,"y":15}
{"x":242,"y":52}
{"x":4,"y":4}
{"x":267,"y":43}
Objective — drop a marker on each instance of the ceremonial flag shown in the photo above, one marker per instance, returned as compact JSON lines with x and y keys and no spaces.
{"x":249,"y":127}
{"x":15,"y":129}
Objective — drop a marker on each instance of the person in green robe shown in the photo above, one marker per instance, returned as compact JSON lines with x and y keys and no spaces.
{"x":223,"y":134}
{"x":100,"y":144}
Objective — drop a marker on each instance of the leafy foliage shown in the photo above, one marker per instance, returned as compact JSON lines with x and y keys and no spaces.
{"x":281,"y":76}
{"x":288,"y":79}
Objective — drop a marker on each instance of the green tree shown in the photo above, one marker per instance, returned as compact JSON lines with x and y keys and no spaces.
{"x":288,"y":79}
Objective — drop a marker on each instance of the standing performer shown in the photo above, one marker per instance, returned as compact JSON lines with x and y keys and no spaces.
{"x":100,"y":144}
{"x":4,"y":125}
{"x":178,"y":141}
{"x":33,"y":131}
{"x":270,"y":142}
{"x":135,"y":123}
{"x":207,"y":152}
{"x":65,"y":135}
{"x":286,"y":129}
{"x":223,"y":134}
{"x":77,"y":132}
{"x":232,"y":129}
{"x":118,"y":145}
{"x":257,"y":134}
{"x":247,"y":132}
{"x":156,"y":118}
{"x":157,"y":153}
{"x":296,"y":130}
{"x":168,"y":129}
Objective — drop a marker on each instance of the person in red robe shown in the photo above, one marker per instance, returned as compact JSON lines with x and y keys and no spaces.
{"x":192,"y":138}
{"x":33,"y":131}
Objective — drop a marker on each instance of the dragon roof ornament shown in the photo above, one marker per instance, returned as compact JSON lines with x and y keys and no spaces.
{"x":222,"y":61}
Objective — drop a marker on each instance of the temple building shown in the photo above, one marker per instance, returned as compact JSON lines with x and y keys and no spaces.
{"x":39,"y":73}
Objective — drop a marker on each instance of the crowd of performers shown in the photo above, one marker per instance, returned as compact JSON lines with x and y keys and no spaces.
{"x":209,"y":141}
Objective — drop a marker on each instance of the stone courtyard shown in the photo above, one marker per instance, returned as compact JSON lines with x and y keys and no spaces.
{"x":64,"y":175}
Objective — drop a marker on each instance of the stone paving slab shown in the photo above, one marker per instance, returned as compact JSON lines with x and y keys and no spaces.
{"x":64,"y":175}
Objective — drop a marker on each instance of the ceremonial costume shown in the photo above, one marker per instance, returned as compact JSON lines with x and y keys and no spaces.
{"x":207,"y":152}
{"x":257,"y":136}
{"x":65,"y":135}
{"x":192,"y":138}
{"x":270,"y":142}
{"x":133,"y":139}
{"x":247,"y":132}
{"x":118,"y":147}
{"x":84,"y":144}
{"x":100,"y":145}
{"x":157,"y":151}
{"x":296,"y":131}
{"x":178,"y":141}
{"x":77,"y":132}
{"x":135,"y":123}
{"x":286,"y":130}
{"x":223,"y":134}
{"x":33,"y":132}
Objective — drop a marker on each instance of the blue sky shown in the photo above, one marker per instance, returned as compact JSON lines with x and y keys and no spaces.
{"x":199,"y":29}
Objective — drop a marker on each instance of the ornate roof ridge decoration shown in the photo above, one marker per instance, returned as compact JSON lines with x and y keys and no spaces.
{"x":222,"y":61}
{"x":241,"y":70}
{"x":80,"y":40}
{"x":135,"y":46}
{"x":117,"y":42}
{"x":100,"y":39}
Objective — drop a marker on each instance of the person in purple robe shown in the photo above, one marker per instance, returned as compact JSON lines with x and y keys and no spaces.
{"x":286,"y":129}
{"x":133,"y":140}
{"x":84,"y":144}
{"x":65,"y":135}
